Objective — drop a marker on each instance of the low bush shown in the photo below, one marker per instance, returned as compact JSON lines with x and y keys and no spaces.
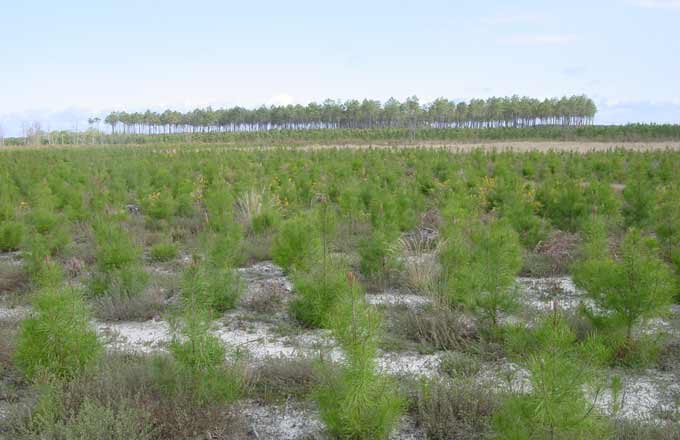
{"x":11,"y":236}
{"x":118,"y":264}
{"x":57,"y":340}
{"x":296,"y":244}
{"x":376,"y":260}
{"x":126,"y":282}
{"x":215,"y":289}
{"x":438,"y":328}
{"x":164,"y":252}
{"x":121,"y":307}
{"x":556,"y":406}
{"x":281,"y":379}
{"x":634,"y":286}
{"x":480,"y":262}
{"x":357,"y":402}
{"x":455,"y":410}
{"x":317,"y":293}
{"x":123,"y":394}
{"x":199,"y":367}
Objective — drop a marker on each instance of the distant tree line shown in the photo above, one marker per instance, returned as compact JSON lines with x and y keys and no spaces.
{"x":515,"y":111}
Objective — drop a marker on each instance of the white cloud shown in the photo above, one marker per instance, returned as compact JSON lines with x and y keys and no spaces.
{"x":514,"y":18}
{"x":658,"y":4}
{"x":538,"y":40}
{"x":280,"y":99}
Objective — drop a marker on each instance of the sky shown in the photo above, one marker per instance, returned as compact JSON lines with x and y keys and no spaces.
{"x":62,"y":62}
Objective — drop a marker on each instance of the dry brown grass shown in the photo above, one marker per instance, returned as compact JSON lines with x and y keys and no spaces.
{"x":458,"y":410}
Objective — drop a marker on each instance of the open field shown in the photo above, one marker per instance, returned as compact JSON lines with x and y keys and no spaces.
{"x":502,"y":289}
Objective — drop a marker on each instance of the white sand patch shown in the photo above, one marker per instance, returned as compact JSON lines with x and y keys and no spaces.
{"x":137,"y":337}
{"x":396,"y":299}
{"x":409,"y":364}
{"x":262,"y":341}
{"x":11,"y":258}
{"x":643,"y":397}
{"x":265,"y":280}
{"x":543,"y":293}
{"x":14,"y":314}
{"x":408,"y":430}
{"x":291,"y":421}
{"x":505,"y":376}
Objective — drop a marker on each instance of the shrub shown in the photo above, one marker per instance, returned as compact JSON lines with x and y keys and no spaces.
{"x":481,"y":262}
{"x":638,"y":198}
{"x":296,"y":244}
{"x":118,"y":264}
{"x":160,"y":205}
{"x":225,"y":249}
{"x":200,"y":361}
{"x":164,"y":252}
{"x":357,"y":402}
{"x":555,"y":407}
{"x":318,"y":291}
{"x":563,"y":202}
{"x":126,"y":282}
{"x":215,"y":289}
{"x":115,"y":249}
{"x":58,"y":339}
{"x":375,"y":254}
{"x":43,"y":271}
{"x":666,"y":218}
{"x":635,"y":286}
{"x":11,"y":235}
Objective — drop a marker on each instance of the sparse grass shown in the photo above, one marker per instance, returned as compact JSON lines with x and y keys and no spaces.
{"x":141,"y":307}
{"x":122,"y":398}
{"x":279,"y":380}
{"x":437,"y":328}
{"x":455,"y":410}
{"x":634,"y":430}
{"x":420,"y":265}
{"x":13,"y":279}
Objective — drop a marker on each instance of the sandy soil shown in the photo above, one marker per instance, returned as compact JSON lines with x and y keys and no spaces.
{"x":646,"y":394}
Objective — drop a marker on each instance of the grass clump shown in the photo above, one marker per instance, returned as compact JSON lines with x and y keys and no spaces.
{"x":57,"y":340}
{"x":357,"y":402}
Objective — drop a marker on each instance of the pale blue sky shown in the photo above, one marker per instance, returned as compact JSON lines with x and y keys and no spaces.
{"x":61,"y":61}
